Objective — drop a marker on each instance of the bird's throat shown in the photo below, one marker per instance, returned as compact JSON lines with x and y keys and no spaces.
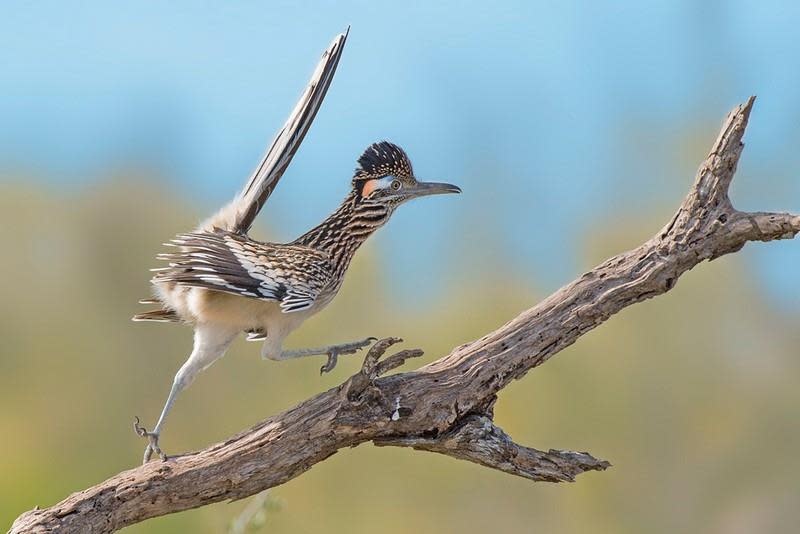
{"x":346,"y":229}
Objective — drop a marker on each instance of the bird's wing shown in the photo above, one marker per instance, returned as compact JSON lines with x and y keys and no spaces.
{"x":238,"y":216}
{"x":223,"y":261}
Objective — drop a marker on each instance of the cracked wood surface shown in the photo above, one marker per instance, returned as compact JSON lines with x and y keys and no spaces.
{"x":446,"y":406}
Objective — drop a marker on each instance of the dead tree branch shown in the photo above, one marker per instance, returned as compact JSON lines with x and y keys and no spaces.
{"x":446,"y":406}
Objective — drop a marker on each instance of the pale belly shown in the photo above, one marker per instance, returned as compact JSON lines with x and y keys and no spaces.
{"x":198,"y":305}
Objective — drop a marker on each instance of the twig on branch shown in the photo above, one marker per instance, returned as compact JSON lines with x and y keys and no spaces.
{"x":446,"y":406}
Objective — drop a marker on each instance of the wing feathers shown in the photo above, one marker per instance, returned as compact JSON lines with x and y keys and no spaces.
{"x":291,"y":274}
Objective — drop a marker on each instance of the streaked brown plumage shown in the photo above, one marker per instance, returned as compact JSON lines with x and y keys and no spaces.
{"x":224,"y":283}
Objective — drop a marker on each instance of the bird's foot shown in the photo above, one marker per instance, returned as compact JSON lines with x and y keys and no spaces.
{"x":375,"y":366}
{"x":346,"y":348}
{"x":152,"y":442}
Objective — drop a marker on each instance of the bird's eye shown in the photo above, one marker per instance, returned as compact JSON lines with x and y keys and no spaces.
{"x":396,"y":185}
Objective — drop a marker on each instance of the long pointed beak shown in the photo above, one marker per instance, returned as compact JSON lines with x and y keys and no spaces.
{"x":422,"y":189}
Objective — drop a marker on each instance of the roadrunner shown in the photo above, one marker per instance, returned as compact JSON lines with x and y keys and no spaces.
{"x":224,"y":283}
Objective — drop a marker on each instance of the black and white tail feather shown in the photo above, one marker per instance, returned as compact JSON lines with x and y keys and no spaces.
{"x":239,"y":215}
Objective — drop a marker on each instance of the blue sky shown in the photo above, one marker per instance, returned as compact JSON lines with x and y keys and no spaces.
{"x":554,"y":117}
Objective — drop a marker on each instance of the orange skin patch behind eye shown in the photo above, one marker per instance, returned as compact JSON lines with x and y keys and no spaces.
{"x":369,"y":187}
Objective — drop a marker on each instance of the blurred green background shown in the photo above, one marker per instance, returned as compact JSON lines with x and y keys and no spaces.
{"x":574,"y":132}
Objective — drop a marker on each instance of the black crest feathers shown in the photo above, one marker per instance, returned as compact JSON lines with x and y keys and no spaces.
{"x":383,"y":159}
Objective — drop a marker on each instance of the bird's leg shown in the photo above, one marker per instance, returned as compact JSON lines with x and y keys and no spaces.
{"x":210,"y":345}
{"x":333,"y":352}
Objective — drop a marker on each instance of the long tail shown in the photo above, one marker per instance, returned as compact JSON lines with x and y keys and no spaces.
{"x":238,"y":216}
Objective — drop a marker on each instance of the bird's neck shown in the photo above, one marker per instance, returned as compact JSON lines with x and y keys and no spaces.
{"x":346,"y":229}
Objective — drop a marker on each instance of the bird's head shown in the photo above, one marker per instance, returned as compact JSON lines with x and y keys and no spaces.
{"x":384,"y":175}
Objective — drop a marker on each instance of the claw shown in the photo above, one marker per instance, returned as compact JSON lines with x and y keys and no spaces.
{"x":152,"y":445}
{"x":333,"y":359}
{"x":136,"y":427}
{"x":350,"y":348}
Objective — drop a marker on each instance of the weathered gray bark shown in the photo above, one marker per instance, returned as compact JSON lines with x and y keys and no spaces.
{"x":446,"y":406}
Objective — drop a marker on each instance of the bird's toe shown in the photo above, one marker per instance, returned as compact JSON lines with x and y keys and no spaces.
{"x":352,"y":348}
{"x":333,"y":359}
